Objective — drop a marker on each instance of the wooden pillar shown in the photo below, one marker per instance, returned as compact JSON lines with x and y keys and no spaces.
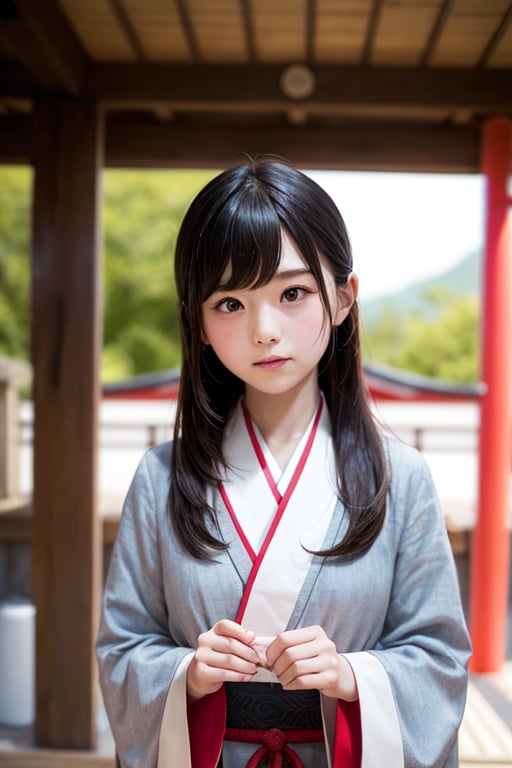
{"x":66,"y":341}
{"x":490,"y":553}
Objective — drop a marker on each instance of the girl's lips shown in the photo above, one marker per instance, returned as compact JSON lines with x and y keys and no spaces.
{"x":272,"y":363}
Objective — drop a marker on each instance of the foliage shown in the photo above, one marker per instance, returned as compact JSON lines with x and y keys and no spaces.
{"x":444,"y":346}
{"x":15,"y":191}
{"x":142,"y":215}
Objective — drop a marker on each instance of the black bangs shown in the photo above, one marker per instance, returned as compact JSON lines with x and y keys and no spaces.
{"x":231,"y":235}
{"x":240,"y":244}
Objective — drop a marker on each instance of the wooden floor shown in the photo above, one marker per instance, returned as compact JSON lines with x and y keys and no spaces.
{"x":485,"y":741}
{"x":42,"y":758}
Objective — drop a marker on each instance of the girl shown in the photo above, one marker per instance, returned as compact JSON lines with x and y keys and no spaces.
{"x":281,"y":591}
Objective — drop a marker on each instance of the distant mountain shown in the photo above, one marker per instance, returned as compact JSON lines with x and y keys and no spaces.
{"x":461,"y":280}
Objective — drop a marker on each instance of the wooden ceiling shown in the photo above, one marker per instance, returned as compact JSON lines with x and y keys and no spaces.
{"x":381,"y":84}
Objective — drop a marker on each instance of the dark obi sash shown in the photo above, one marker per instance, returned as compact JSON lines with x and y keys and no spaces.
{"x":264,"y":714}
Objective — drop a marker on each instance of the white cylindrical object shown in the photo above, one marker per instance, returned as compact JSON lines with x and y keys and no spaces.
{"x":17,"y":662}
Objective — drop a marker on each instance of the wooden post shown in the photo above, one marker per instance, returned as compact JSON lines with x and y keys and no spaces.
{"x":490,"y":553}
{"x":66,"y":341}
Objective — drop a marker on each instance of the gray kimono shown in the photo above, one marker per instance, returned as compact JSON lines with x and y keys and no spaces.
{"x":399,"y":604}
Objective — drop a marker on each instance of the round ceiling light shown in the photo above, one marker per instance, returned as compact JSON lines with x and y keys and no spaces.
{"x":297,"y":82}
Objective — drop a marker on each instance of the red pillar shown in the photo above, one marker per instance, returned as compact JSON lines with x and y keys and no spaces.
{"x":490,"y":554}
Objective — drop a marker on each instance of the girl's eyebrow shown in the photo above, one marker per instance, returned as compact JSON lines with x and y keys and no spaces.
{"x":287,"y":274}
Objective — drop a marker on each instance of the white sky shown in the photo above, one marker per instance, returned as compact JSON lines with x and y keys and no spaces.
{"x":406,"y":227}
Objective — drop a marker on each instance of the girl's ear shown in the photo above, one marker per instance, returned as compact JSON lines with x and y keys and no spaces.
{"x":346,"y":295}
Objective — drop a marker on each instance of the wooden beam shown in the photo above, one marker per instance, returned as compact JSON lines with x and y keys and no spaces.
{"x":41,"y":39}
{"x":140,"y":141}
{"x":66,"y":339}
{"x":443,"y":15}
{"x":15,"y":81}
{"x":500,"y":32}
{"x":360,"y":146}
{"x":15,"y":139}
{"x":371,"y":30}
{"x":188,"y":29}
{"x":217,"y":87}
{"x":248,"y":27}
{"x":129,"y":31}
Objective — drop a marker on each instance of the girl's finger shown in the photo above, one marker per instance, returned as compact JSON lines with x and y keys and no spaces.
{"x":230,"y":639}
{"x":228,"y":628}
{"x":291,"y":639}
{"x":323,"y":668}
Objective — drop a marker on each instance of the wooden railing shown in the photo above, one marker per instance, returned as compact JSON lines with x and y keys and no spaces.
{"x":135,"y":435}
{"x":424,"y":437}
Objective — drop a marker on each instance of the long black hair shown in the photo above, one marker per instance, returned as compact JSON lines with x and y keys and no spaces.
{"x":236,"y":222}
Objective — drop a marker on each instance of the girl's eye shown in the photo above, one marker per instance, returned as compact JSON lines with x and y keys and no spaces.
{"x":229,"y":305}
{"x":293,"y":294}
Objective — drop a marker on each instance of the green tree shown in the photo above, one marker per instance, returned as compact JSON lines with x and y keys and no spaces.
{"x":444,"y":347}
{"x":15,"y":191}
{"x":143,"y":211}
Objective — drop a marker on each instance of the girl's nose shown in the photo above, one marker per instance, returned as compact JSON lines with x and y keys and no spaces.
{"x":266,"y":328}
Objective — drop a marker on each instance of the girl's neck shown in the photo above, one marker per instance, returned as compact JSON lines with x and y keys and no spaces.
{"x":282,"y":419}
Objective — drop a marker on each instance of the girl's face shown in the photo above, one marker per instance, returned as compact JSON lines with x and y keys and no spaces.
{"x":273,"y":337}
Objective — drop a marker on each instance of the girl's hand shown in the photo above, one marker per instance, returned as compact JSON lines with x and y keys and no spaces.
{"x":306,"y":658}
{"x":223,"y":654}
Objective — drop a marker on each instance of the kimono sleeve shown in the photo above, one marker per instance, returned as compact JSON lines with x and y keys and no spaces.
{"x":137,"y":657}
{"x":424,"y":647}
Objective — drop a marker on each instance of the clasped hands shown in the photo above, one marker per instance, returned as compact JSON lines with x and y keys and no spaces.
{"x":301,"y":659}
